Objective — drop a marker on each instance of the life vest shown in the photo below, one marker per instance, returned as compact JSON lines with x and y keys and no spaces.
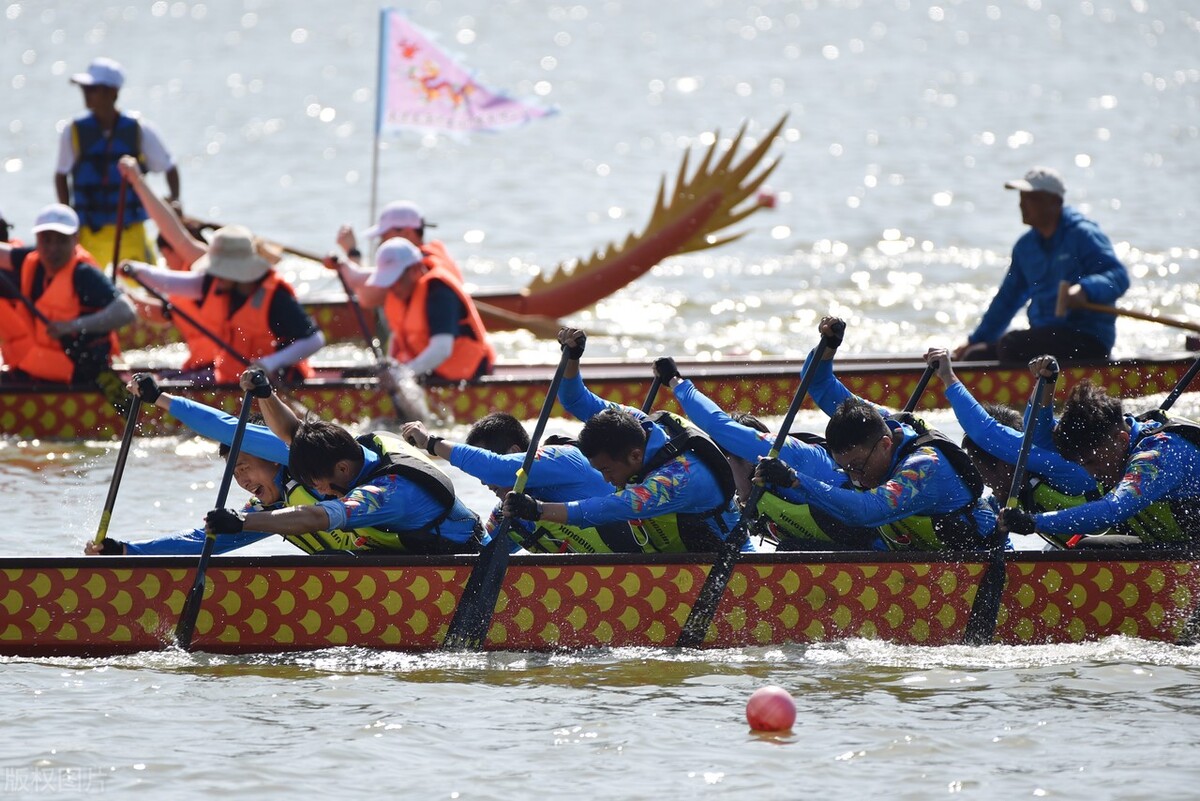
{"x":547,"y":537}
{"x":45,"y":357}
{"x":472,"y":355}
{"x":399,"y":458}
{"x":202,"y":351}
{"x":1038,"y":496}
{"x":801,"y":527}
{"x":435,"y":251}
{"x":95,"y":179}
{"x":247,"y":330}
{"x":955,"y":530}
{"x":684,"y":531}
{"x":1166,"y":521}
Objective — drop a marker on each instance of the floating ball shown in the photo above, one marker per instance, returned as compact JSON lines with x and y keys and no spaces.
{"x":771,"y":708}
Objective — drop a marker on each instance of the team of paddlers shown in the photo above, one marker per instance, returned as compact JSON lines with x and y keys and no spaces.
{"x":651,"y":481}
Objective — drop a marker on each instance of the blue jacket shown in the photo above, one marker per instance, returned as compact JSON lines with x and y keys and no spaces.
{"x":684,"y":484}
{"x":560,"y":473}
{"x":1079,"y":253}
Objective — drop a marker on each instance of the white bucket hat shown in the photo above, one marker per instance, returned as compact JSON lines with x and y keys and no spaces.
{"x":232,"y":256}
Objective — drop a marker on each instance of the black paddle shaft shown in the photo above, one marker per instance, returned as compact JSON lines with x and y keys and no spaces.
{"x":191,"y":607}
{"x":1180,"y":387}
{"x":915,"y":398}
{"x":981,"y":622}
{"x":709,"y":598}
{"x":473,"y":617}
{"x":122,"y":455}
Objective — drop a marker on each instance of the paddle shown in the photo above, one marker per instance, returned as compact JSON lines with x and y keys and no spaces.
{"x":126,"y":440}
{"x":1061,"y":308}
{"x":191,"y":607}
{"x":648,"y":404}
{"x":169,"y":309}
{"x":915,"y":398}
{"x":116,"y":259}
{"x":709,"y":598}
{"x":1180,"y":387}
{"x":981,"y":623}
{"x":473,"y":617}
{"x":542,"y":326}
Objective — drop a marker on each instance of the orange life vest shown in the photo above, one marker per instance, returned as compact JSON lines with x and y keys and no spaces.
{"x":435,"y":251}
{"x":202,"y":351}
{"x":41,"y":355}
{"x":470,"y":357}
{"x":248,"y":330}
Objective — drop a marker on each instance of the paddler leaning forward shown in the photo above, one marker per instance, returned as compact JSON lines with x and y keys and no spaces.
{"x":377,"y":480}
{"x":262,"y":471}
{"x":673,"y":484}
{"x":918,"y":487}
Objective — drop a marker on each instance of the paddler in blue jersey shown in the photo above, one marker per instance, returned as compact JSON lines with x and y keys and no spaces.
{"x":915,"y":485}
{"x":493,"y":452}
{"x":261,"y":470}
{"x":797,"y":526}
{"x":1150,"y":470}
{"x":993,"y":435}
{"x":376,"y":481}
{"x":673,"y":485}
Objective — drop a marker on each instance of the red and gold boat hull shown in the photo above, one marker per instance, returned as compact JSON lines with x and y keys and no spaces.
{"x":102,"y":606}
{"x":763,"y":387}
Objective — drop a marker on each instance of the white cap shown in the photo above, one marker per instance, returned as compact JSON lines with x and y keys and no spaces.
{"x":400,"y":214}
{"x":101,"y":72}
{"x":232,"y":255}
{"x":391,"y":260}
{"x":58,"y":218}
{"x":1040,"y":179}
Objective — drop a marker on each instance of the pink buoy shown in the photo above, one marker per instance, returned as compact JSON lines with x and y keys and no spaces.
{"x":771,"y":708}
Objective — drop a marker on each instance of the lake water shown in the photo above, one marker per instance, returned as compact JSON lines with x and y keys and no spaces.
{"x":904,"y":121}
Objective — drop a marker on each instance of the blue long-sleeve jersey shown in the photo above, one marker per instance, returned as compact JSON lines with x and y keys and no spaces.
{"x":1005,"y":443}
{"x":751,"y":445}
{"x":1163,"y":466}
{"x":560,"y":473}
{"x":924,"y":483}
{"x":1078,"y":252}
{"x":391,"y":502}
{"x":684,"y":484}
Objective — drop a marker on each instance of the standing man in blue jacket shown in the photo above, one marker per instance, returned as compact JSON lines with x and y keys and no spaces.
{"x":1060,"y":245}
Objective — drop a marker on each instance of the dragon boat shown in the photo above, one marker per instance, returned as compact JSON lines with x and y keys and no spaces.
{"x":765,"y":387}
{"x":104,"y":606}
{"x":693,"y":214}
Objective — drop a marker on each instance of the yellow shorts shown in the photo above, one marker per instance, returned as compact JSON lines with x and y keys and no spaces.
{"x":135,"y":245}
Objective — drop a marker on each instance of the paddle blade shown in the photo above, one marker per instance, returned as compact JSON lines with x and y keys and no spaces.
{"x":407,"y":395}
{"x":695,"y":628}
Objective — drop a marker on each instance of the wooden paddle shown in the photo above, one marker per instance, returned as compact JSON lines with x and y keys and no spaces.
{"x":120,"y":227}
{"x":126,"y":440}
{"x":1063,"y":306}
{"x":473,"y":617}
{"x":981,"y":623}
{"x":170,"y":309}
{"x":709,"y":598}
{"x":404,"y":411}
{"x":191,"y":606}
{"x":538,"y":324}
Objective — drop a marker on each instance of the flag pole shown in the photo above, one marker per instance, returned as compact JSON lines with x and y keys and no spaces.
{"x":380,"y":83}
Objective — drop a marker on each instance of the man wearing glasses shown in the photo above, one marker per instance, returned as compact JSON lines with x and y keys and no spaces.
{"x":911,"y":482}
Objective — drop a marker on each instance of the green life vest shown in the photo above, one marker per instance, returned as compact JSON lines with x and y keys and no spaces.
{"x":955,"y":530}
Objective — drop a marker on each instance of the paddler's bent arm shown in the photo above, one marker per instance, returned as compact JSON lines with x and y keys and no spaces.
{"x":293,"y":520}
{"x":216,"y":425}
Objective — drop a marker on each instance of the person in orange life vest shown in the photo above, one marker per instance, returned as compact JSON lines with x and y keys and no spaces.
{"x":246,"y":304}
{"x":82,"y":305}
{"x":180,"y":247}
{"x":436,"y":328}
{"x":402,"y":219}
{"x":89,"y":149}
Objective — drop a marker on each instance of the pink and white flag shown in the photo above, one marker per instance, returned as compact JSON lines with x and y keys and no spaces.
{"x":421,"y":88}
